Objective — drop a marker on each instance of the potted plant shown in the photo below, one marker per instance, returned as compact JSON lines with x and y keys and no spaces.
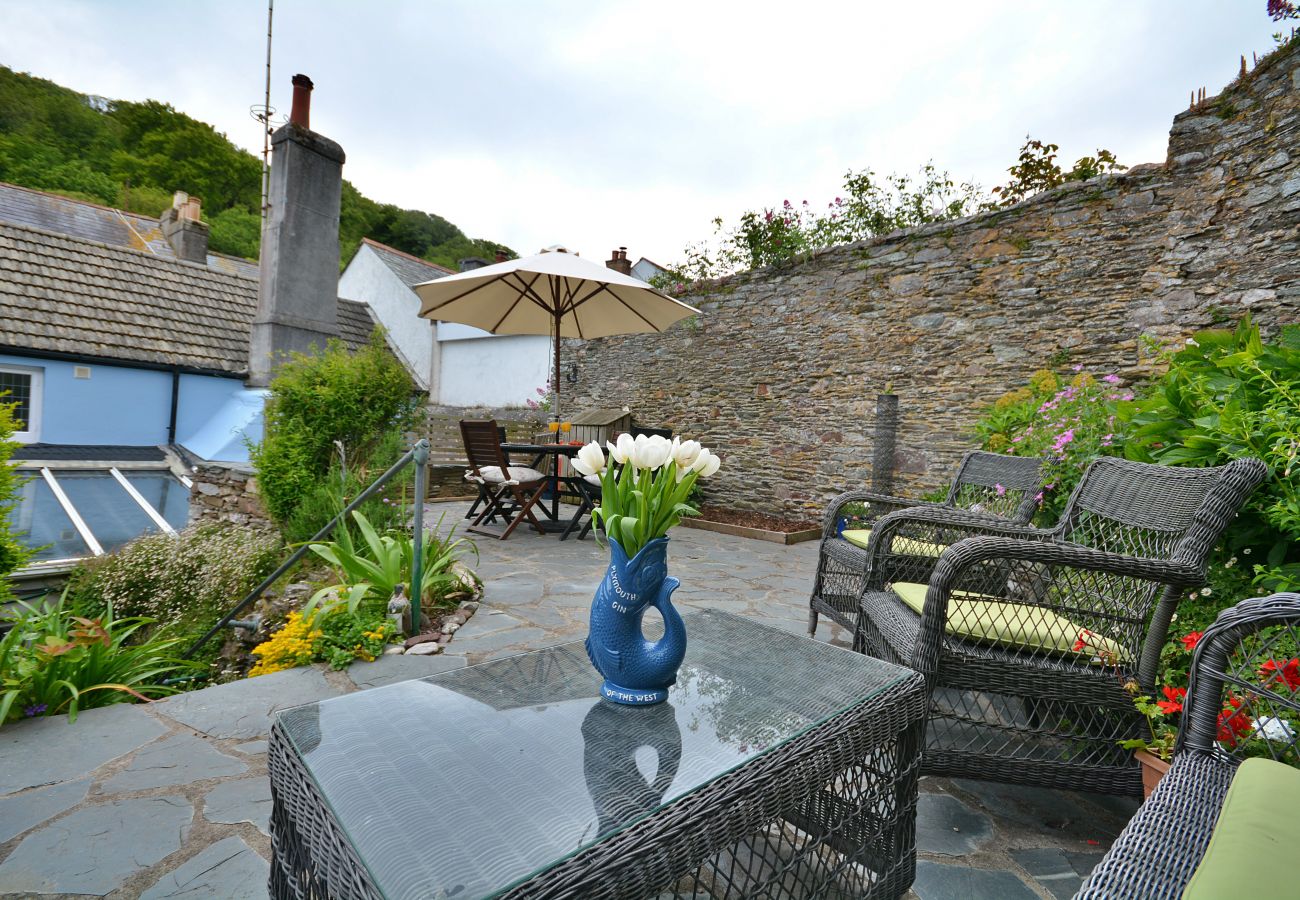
{"x":1241,"y":720}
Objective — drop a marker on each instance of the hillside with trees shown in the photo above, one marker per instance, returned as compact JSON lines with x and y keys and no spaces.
{"x":134,"y":155}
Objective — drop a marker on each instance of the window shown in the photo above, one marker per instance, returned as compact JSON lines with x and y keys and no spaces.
{"x":21,"y":385}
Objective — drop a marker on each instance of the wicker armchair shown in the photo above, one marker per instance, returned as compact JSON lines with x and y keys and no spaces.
{"x":1027,"y":636}
{"x":1000,"y":486}
{"x":1162,"y":845}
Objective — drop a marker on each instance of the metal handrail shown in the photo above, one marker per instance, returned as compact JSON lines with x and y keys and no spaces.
{"x":419,"y":454}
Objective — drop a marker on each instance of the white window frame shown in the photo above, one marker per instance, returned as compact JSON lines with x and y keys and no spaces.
{"x":33,"y":433}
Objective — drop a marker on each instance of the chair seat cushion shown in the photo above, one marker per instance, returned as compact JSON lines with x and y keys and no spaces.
{"x":592,"y":479}
{"x":1013,"y":624}
{"x":518,"y":475}
{"x":1252,"y":842}
{"x":860,"y":537}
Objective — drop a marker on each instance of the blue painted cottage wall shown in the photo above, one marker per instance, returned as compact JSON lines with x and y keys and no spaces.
{"x":132,"y":407}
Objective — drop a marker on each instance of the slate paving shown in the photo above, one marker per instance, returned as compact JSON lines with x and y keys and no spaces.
{"x":171,"y":799}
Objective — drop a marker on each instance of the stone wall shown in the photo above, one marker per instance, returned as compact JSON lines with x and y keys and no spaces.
{"x":226,"y":493}
{"x":781,"y":371}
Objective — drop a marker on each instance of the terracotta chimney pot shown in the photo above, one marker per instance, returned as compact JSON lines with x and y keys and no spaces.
{"x":300,"y":113}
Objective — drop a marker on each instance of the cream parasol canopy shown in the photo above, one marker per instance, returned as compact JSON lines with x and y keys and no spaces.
{"x":555,"y":293}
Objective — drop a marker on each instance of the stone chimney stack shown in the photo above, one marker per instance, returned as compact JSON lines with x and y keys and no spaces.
{"x":618,"y":261}
{"x":183,"y":230}
{"x":297,"y":297}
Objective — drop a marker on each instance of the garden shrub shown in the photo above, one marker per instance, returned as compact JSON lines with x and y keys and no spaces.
{"x":1067,"y":420}
{"x":1228,"y":395}
{"x":340,"y":485}
{"x":337,"y":637}
{"x":13,"y":552}
{"x":335,"y":405}
{"x":184,"y":583}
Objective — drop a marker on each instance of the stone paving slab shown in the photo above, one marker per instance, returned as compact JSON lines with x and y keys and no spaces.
{"x":97,"y":737}
{"x":227,"y":870}
{"x":95,"y":849}
{"x":23,"y":811}
{"x":242,"y":800}
{"x":938,"y":881}
{"x":1060,"y":871}
{"x":243,"y":709}
{"x":176,"y":760}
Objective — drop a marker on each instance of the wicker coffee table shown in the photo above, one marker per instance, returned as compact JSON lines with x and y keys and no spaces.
{"x":779,"y":767}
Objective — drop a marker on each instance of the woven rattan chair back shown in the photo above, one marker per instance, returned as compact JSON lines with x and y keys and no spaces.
{"x":1149,"y":512}
{"x":997,"y":484}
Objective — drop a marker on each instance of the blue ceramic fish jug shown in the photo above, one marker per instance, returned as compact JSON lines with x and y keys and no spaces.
{"x":638,"y":672}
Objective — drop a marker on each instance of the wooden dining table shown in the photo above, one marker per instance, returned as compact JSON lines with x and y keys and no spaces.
{"x":546,"y":458}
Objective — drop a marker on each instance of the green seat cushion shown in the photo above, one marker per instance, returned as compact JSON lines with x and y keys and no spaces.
{"x":1258,"y":829}
{"x":860,"y":537}
{"x":1013,"y":624}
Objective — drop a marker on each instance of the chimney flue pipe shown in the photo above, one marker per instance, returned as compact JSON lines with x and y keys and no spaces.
{"x":300,"y":113}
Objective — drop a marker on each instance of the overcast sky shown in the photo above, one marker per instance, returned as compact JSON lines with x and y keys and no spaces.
{"x":603,"y":124}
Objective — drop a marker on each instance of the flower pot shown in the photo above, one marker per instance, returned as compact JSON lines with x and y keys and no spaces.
{"x":1153,"y":769}
{"x":637,"y":672}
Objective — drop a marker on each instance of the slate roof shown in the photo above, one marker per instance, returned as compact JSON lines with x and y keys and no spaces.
{"x":67,"y":294}
{"x":115,"y":227}
{"x":410,"y":269}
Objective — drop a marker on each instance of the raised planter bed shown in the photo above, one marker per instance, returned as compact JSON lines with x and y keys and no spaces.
{"x":757,"y":526}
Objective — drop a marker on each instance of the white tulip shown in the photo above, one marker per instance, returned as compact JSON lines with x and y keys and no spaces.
{"x":686,"y":452}
{"x":590,"y":460}
{"x":651,"y":451}
{"x":706,"y":463}
{"x":622,"y":452}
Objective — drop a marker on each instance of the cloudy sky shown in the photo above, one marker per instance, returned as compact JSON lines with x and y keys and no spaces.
{"x":603,"y":124}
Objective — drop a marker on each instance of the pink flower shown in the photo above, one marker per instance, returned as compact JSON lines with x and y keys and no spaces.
{"x":1039,"y":498}
{"x":1078,"y":368}
{"x":1002,"y":492}
{"x":1110,"y":379}
{"x":1128,"y":395}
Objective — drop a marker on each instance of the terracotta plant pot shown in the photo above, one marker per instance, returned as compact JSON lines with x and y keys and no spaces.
{"x":1153,"y":769}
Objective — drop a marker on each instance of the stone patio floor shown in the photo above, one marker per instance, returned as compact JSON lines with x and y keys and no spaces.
{"x":171,"y":799}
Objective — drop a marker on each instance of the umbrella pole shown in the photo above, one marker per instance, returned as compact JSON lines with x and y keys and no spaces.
{"x":555,"y":384}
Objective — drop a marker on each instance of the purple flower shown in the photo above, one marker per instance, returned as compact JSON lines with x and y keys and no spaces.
{"x":1039,"y":498}
{"x":1078,"y":368}
{"x":1110,"y":379}
{"x":1062,"y":439}
{"x":1001,"y":491}
{"x":1128,"y":395}
{"x":35,"y":710}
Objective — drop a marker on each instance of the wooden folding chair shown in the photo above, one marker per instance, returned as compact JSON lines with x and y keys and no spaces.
{"x":509,"y":491}
{"x":482,"y":497}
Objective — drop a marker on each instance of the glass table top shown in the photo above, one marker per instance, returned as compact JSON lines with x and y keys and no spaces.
{"x":475,"y":779}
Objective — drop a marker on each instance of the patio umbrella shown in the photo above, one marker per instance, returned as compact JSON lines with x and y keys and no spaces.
{"x":554,"y":293}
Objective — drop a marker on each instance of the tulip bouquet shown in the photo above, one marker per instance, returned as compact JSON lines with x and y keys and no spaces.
{"x":644,"y":483}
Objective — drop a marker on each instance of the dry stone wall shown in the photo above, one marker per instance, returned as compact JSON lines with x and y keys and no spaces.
{"x":226,"y":493}
{"x":782,"y":369}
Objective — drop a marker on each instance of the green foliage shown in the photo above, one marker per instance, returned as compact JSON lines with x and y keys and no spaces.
{"x":53,"y":661}
{"x":13,"y":552}
{"x":369,"y":572}
{"x":1228,"y":395}
{"x":182,"y":583}
{"x":328,"y":497}
{"x":134,"y":155}
{"x":235,"y":231}
{"x":1067,"y":420}
{"x":346,"y":636}
{"x":1037,"y":170}
{"x":335,"y":402}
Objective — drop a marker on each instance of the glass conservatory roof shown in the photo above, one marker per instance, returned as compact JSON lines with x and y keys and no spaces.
{"x":68,"y":513}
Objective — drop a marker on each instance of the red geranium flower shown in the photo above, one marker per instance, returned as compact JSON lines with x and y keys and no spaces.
{"x":1287,"y":673}
{"x":1191,"y":639}
{"x":1173,"y":702}
{"x":1234,"y":724}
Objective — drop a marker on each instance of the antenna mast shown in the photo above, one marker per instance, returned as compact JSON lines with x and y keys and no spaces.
{"x":264,"y":113}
